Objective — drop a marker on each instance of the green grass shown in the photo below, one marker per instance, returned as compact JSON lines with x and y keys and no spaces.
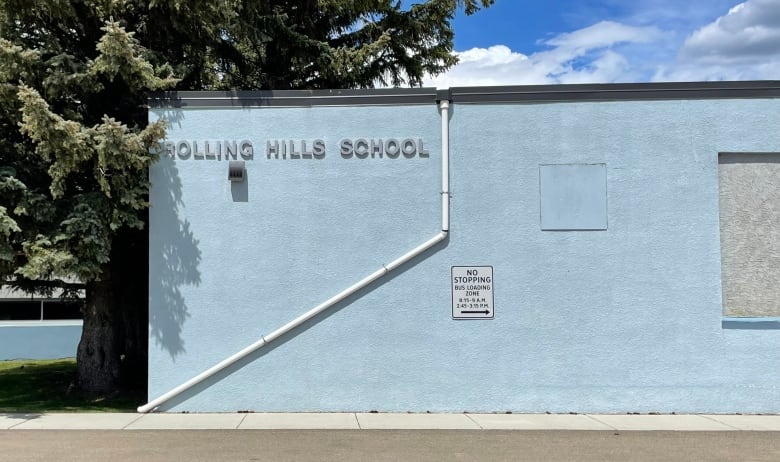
{"x":31,"y":386}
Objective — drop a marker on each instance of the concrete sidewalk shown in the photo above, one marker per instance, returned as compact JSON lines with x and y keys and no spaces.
{"x":389,"y":421}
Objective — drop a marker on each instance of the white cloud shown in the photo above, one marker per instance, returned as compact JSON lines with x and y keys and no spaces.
{"x":497,"y":65}
{"x":602,"y":34}
{"x":742,"y":44}
{"x":595,"y":53}
{"x":750,"y":30}
{"x":592,"y":54}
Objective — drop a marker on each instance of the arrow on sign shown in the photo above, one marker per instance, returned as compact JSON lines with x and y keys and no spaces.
{"x":475,"y":312}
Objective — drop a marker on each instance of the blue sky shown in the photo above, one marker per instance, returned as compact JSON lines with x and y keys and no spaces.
{"x":601,"y":41}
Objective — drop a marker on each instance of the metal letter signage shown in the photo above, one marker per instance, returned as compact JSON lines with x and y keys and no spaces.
{"x":357,"y":148}
{"x":472,"y":292}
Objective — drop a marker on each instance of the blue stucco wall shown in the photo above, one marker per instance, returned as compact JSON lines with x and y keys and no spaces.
{"x":49,"y":340}
{"x":627,"y":319}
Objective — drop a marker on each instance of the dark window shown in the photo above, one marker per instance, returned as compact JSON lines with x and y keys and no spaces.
{"x":62,"y":310}
{"x":20,"y":310}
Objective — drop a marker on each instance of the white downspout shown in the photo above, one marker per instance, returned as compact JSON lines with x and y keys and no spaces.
{"x":440,"y":236}
{"x":445,"y":166}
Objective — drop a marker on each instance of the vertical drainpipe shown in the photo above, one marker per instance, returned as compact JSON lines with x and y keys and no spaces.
{"x":444,"y":105}
{"x":385,"y":269}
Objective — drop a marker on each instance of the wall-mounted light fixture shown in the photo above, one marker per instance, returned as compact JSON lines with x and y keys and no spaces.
{"x":236,"y":170}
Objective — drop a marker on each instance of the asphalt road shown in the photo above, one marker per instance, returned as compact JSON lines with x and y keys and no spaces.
{"x":385,"y":445}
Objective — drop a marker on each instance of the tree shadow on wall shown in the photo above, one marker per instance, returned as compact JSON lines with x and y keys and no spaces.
{"x":174,"y":258}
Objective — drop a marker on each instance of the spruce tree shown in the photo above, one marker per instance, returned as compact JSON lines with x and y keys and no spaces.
{"x":75,"y":145}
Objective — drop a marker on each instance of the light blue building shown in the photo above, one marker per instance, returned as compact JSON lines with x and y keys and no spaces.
{"x":586,"y":248}
{"x":38,"y":327}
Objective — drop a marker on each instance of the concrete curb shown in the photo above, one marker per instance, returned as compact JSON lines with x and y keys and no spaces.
{"x":389,"y":421}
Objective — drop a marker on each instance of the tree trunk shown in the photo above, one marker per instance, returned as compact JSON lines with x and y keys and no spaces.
{"x":112,"y":354}
{"x":98,"y":356}
{"x":131,"y":291}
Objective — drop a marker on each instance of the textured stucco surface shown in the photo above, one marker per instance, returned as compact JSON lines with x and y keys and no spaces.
{"x":750,"y":233}
{"x":38,"y":341}
{"x":573,"y":197}
{"x":625,"y":319}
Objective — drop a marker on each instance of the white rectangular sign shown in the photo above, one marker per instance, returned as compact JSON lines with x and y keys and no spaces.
{"x":472,"y":292}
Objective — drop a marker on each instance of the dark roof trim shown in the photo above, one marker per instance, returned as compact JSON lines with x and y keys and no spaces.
{"x":615,"y":92}
{"x":293,"y":98}
{"x":469,"y":95}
